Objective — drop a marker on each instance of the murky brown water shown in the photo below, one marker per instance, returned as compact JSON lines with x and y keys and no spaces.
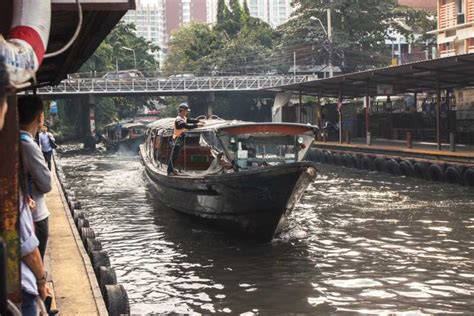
{"x":358,"y":242}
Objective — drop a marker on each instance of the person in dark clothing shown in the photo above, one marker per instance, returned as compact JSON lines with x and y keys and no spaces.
{"x":31,"y":118}
{"x":181,"y":125}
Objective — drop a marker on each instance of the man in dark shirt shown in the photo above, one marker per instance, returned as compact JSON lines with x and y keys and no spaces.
{"x":181,"y":125}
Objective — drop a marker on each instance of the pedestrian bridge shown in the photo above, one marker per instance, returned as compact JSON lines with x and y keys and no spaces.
{"x":168,"y":86}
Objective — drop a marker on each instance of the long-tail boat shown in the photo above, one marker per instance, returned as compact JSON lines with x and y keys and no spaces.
{"x":242,"y":175}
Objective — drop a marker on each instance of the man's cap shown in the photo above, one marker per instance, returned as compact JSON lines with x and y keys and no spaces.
{"x":184,"y":106}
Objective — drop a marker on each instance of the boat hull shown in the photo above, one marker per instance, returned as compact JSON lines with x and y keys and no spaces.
{"x":252,"y":203}
{"x":127,"y":145}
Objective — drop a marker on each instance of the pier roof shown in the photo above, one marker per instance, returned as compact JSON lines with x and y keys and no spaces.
{"x":429,"y":75}
{"x":99,"y":18}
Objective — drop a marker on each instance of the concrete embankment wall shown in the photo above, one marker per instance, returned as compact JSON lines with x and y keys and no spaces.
{"x":442,"y":167}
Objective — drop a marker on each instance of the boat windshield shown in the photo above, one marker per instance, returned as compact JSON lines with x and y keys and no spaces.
{"x":266,"y":149}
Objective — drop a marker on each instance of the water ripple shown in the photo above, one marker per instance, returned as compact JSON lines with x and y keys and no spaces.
{"x":357,"y":243}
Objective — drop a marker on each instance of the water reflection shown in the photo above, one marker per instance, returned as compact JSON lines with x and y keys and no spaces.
{"x":366,"y":243}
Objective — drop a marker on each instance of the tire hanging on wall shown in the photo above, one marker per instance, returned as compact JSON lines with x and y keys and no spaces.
{"x":367,"y":163}
{"x":379,"y":164}
{"x":392,"y":167}
{"x":453,"y":175}
{"x":436,"y":173}
{"x":337,"y":159}
{"x":406,"y":168}
{"x":468,"y":177}
{"x":116,"y":300}
{"x":420,"y":170}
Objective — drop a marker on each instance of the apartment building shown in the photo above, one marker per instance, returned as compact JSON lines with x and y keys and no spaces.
{"x":455,"y":27}
{"x":274,"y":12}
{"x":156,"y":20}
{"x":455,"y":37}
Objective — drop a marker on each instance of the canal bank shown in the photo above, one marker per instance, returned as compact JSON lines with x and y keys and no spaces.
{"x":75,"y":285}
{"x":420,"y":160}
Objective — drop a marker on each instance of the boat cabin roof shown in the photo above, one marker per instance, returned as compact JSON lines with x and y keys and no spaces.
{"x":125,"y":124}
{"x":238,"y":127}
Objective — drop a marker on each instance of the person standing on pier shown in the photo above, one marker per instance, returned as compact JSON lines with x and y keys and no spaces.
{"x":38,"y":176}
{"x":33,"y":274}
{"x":181,"y":125}
{"x":47,"y":143}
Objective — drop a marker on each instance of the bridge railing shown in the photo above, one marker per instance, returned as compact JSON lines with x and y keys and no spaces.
{"x":144,"y":85}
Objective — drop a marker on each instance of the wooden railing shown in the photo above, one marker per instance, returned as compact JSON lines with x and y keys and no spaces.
{"x":470,"y":45}
{"x":447,"y":15}
{"x":447,"y":53}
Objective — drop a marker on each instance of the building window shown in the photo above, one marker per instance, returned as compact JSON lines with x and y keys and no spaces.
{"x":460,"y":4}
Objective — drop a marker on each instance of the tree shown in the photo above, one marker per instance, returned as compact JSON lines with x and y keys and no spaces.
{"x":111,"y":52}
{"x":360,"y":29}
{"x":238,"y":44}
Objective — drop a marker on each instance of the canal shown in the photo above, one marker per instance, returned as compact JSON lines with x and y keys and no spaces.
{"x":357,"y":242}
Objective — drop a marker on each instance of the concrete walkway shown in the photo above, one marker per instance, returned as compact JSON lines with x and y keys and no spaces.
{"x":426,"y":146}
{"x":75,"y":286}
{"x":396,"y":149}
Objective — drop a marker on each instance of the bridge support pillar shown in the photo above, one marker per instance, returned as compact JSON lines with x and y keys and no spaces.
{"x":90,"y":135}
{"x":281,"y":100}
{"x":202,"y":104}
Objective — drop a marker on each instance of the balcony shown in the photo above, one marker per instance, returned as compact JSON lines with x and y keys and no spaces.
{"x":447,"y":15}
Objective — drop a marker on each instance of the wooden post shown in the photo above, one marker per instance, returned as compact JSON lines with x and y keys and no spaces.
{"x":438,"y":118}
{"x":339,"y":105}
{"x":9,"y":194}
{"x":367,"y":106}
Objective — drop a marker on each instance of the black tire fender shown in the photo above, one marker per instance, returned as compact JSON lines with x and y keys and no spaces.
{"x":406,"y":168}
{"x":77,"y":214}
{"x":87,"y":232}
{"x":420,"y":170}
{"x":337,"y":159}
{"x":392,"y":167}
{"x":355,"y":162}
{"x":436,"y":172}
{"x":453,"y":175}
{"x":468,"y":177}
{"x":379,"y":164}
{"x":92,"y":244}
{"x":346,"y":160}
{"x":367,"y":163}
{"x":99,"y":258}
{"x":106,"y":276}
{"x":116,"y":300}
{"x":82,"y":222}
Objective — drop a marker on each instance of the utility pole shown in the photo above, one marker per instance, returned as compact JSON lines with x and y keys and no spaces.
{"x":328,"y":33}
{"x":331,"y":72}
{"x":294,"y":64}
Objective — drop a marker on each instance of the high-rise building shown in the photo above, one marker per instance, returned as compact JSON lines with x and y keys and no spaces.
{"x":156,"y":20}
{"x":150,"y":21}
{"x":274,"y":12}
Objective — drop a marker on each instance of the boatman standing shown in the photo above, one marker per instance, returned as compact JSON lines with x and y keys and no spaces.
{"x":181,"y":125}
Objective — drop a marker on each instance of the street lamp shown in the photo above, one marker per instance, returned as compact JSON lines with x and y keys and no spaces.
{"x":328,"y":33}
{"x":134,"y":56}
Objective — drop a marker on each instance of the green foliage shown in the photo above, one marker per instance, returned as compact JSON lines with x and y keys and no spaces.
{"x":359,"y":32}
{"x":111,"y":52}
{"x":238,"y":43}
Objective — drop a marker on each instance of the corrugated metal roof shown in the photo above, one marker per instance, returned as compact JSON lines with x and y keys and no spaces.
{"x":99,"y":18}
{"x":429,"y":75}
